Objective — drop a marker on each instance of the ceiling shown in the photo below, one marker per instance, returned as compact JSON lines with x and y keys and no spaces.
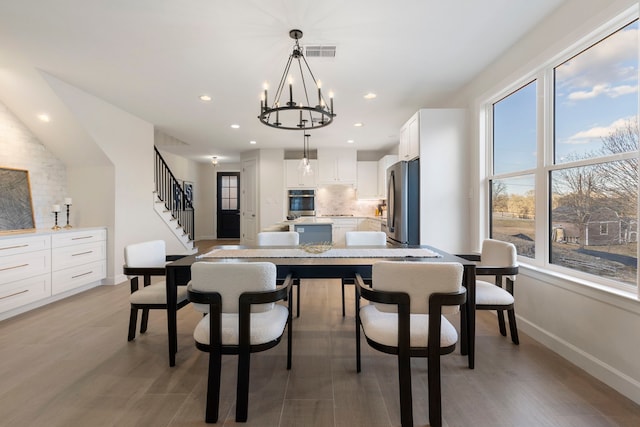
{"x":155,"y":58}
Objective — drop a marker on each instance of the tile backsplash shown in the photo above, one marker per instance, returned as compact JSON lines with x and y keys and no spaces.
{"x":341,"y":200}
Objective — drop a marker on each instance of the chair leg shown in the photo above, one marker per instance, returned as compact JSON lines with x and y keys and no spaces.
{"x":406,"y":399}
{"x":435,"y":399}
{"x":512,"y":326}
{"x":289,"y":329}
{"x":213,"y":387}
{"x":133,"y":320}
{"x":144,"y":321}
{"x":343,"y":312}
{"x":242,"y":393}
{"x":358,"y":364}
{"x":298,"y":297}
{"x":501,"y":325}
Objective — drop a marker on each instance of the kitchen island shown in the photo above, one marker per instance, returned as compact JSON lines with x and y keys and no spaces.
{"x":329,"y":228}
{"x":313,"y":229}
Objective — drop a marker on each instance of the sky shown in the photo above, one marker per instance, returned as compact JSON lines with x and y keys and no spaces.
{"x":595,"y":92}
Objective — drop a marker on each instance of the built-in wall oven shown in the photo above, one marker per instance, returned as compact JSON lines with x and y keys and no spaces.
{"x":302,"y":202}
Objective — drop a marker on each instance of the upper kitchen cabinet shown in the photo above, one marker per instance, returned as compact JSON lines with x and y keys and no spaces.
{"x":383,"y":164}
{"x":295,"y":178}
{"x":367,"y":187}
{"x":409,"y":147}
{"x":337,"y":166}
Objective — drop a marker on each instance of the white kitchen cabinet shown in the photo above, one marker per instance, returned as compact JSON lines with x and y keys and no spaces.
{"x":78,"y":258}
{"x":383,"y":164}
{"x":369,"y":224}
{"x":340,"y":228}
{"x":294,"y":177}
{"x":409,"y":147}
{"x":337,"y":166}
{"x":367,"y":187}
{"x":25,"y":270}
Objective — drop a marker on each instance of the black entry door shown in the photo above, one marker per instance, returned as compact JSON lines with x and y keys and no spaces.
{"x":228,"y":211}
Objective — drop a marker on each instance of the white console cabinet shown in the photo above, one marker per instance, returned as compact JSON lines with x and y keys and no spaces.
{"x":25,"y":270}
{"x":78,"y":258}
{"x":36,"y":268}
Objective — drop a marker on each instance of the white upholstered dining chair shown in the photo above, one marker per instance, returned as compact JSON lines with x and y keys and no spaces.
{"x":405,"y":318}
{"x":498,"y":262}
{"x":148,"y":259}
{"x":362,"y":238}
{"x":282,"y":238}
{"x":241,"y":319}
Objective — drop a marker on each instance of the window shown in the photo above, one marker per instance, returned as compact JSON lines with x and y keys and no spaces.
{"x":589,"y":149}
{"x":514,"y":131}
{"x":514,"y":157}
{"x":513,"y":212}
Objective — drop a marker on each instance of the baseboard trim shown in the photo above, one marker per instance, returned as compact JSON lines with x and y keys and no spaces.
{"x":604,"y":372}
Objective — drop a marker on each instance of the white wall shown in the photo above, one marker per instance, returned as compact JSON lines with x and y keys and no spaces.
{"x":21,"y":149}
{"x":128,"y":192}
{"x":596,"y":330}
{"x":270,"y":187}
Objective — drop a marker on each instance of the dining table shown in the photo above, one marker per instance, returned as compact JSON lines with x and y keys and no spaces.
{"x":334,"y":263}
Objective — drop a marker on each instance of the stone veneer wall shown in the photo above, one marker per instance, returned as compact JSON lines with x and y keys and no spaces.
{"x":20,"y":149}
{"x":341,"y":200}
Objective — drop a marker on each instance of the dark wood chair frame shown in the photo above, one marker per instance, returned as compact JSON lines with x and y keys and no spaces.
{"x":499,"y":273}
{"x":432,"y":352}
{"x":296,"y":283}
{"x":243,"y":349}
{"x":347,"y":281}
{"x":146,"y":273}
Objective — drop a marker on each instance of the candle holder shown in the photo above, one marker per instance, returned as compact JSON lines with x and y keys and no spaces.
{"x":56,"y":226}
{"x":68,"y":225}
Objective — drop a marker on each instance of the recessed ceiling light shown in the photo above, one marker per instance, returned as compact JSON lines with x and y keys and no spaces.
{"x":44,"y":117}
{"x":350,"y":141}
{"x":358,"y":125}
{"x":370,"y":95}
{"x":234,"y":126}
{"x":252,"y":142}
{"x":205,"y":98}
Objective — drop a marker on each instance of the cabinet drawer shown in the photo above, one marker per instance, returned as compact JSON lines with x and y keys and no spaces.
{"x":70,"y":278}
{"x":20,"y":245}
{"x":78,"y":237}
{"x":71,"y":256}
{"x":21,"y":292}
{"x":22,"y":266}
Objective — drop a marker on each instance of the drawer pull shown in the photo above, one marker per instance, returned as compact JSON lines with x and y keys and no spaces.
{"x":82,"y":253}
{"x":12,"y":267}
{"x":13,"y":295}
{"x":15,"y":247}
{"x":83,"y":274}
{"x":80,"y":238}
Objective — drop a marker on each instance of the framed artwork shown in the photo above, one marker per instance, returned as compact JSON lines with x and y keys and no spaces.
{"x":177,"y":196}
{"x":188,"y":194}
{"x":16,"y":206}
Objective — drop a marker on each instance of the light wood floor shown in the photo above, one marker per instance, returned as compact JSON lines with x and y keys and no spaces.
{"x":69,"y":364}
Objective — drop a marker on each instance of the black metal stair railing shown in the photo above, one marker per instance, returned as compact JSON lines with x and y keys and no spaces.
{"x":171,"y":193}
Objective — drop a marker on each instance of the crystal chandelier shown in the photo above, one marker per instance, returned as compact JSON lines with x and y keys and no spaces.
{"x":294,"y":115}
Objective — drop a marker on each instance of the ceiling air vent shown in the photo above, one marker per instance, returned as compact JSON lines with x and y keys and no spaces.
{"x":318,"y":51}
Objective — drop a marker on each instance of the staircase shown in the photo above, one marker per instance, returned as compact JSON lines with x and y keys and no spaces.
{"x":172,"y":204}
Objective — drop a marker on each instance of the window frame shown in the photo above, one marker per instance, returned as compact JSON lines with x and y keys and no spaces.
{"x":543,"y":74}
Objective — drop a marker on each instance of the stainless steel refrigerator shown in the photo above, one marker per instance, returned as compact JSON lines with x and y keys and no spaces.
{"x":403,"y":203}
